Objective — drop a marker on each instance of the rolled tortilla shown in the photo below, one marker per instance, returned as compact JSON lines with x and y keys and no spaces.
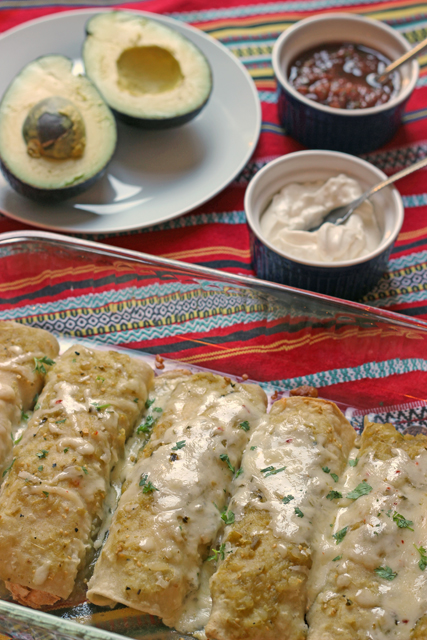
{"x":169,"y":513}
{"x":25,"y":357}
{"x":54,"y":493}
{"x":259,"y":591}
{"x":369,"y":576}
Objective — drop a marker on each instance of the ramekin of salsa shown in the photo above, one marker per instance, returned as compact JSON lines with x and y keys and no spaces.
{"x":343,"y":76}
{"x":325,"y":67}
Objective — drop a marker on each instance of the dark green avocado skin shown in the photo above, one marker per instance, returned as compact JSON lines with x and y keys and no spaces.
{"x":48,"y":196}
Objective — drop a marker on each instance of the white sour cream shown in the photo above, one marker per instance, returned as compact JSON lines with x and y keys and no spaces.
{"x":300,"y":206}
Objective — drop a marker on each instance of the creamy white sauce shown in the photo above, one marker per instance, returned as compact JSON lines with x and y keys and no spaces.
{"x":300,"y":206}
{"x":291,"y":445}
{"x":157,"y":398}
{"x":17,"y":384}
{"x":197,"y":607}
{"x":191,"y":487}
{"x":374,"y":540}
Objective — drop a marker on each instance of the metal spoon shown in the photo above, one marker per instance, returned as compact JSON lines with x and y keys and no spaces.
{"x":405,"y":58}
{"x":341,"y":214}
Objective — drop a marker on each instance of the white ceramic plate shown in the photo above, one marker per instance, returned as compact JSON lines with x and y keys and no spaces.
{"x":154,"y":175}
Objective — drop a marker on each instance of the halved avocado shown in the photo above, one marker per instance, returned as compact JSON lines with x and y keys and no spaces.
{"x":150,"y":75}
{"x":57,"y":134}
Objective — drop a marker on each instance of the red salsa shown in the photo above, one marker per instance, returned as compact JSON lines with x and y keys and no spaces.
{"x":343,"y":76}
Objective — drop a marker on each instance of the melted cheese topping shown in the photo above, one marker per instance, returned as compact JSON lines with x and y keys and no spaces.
{"x":20,"y":379}
{"x":61,"y":472}
{"x":301,"y":455}
{"x":378,"y":562}
{"x":187,"y":484}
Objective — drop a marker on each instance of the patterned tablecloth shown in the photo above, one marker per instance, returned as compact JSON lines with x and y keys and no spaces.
{"x":216,"y":235}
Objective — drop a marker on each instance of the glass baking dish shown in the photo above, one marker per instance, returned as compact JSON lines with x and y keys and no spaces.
{"x":369,"y":362}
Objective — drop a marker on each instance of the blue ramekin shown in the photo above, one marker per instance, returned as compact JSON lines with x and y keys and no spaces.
{"x":321,"y":127}
{"x":350,"y":279}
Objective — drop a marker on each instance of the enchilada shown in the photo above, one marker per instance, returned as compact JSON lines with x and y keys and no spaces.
{"x":259,"y":591}
{"x":26,"y":354}
{"x":170,"y":511}
{"x":369,"y":576}
{"x":53,"y":495}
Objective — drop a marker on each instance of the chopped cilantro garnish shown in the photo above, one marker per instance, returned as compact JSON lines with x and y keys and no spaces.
{"x":66,"y":449}
{"x":158,"y":409}
{"x":267,"y":469}
{"x":85,"y":470}
{"x":100,"y":378}
{"x":40,"y":362}
{"x":146,"y":426}
{"x":334,"y":477}
{"x":42,"y":454}
{"x":40,"y":468}
{"x":218,"y":553}
{"x":336,"y":558}
{"x":386,"y":573}
{"x":254,"y":447}
{"x":245,"y":425}
{"x":148,"y":403}
{"x":333,"y":495}
{"x":423,"y":557}
{"x":17,"y":440}
{"x":179,"y":445}
{"x":239,"y":472}
{"x":299,"y":512}
{"x":24,"y":416}
{"x":326,"y":469}
{"x":340,"y":535}
{"x":362,"y":489}
{"x":60,"y":421}
{"x":271,"y":471}
{"x":8,"y":468}
{"x":100,"y":407}
{"x":227,"y":516}
{"x":224,"y":456}
{"x":46,"y":493}
{"x":401,"y":521}
{"x":287,"y":499}
{"x":353,"y":462}
{"x":148,"y":486}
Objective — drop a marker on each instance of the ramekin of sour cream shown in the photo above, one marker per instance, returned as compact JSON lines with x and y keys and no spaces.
{"x":292,"y":194}
{"x":299,"y":206}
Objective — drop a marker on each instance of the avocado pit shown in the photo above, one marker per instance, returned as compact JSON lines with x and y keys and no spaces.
{"x":150,"y":69}
{"x":54,"y":128}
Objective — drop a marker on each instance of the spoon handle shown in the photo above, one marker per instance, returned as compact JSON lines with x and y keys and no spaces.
{"x":342,"y":216}
{"x":406,"y":56}
{"x":396,"y":176}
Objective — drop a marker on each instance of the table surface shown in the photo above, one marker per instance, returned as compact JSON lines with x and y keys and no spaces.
{"x":215,"y":235}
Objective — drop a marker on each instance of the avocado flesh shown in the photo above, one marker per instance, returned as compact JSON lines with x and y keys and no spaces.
{"x":75,"y":163}
{"x":145,"y":70}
